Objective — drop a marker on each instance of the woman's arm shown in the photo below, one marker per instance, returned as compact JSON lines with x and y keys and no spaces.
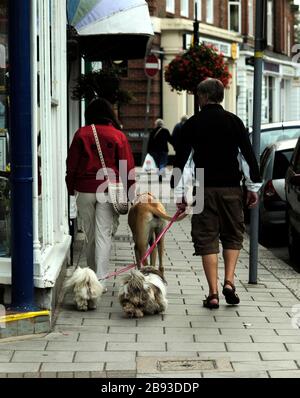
{"x":73,"y":158}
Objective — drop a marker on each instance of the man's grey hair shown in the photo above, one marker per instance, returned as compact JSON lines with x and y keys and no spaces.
{"x":213,"y":89}
{"x":159,"y":123}
{"x":184,"y":118}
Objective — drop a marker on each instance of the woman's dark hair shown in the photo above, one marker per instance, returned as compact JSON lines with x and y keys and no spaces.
{"x":100,"y":111}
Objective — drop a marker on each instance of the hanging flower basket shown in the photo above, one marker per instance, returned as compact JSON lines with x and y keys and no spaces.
{"x":102,"y":83}
{"x":186,"y":71}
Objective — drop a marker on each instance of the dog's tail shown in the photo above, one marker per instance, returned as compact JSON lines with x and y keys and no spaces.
{"x":158,"y":213}
{"x":84,"y":278}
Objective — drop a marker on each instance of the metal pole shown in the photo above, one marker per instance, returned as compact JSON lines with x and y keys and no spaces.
{"x":145,"y":139}
{"x":196,"y":43}
{"x":21,"y":154}
{"x":258,"y":72}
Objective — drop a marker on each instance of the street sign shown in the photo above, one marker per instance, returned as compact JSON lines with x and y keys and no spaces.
{"x":152,"y":65}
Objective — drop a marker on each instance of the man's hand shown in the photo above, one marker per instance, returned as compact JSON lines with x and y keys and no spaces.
{"x":181,"y":204}
{"x":252,"y":199}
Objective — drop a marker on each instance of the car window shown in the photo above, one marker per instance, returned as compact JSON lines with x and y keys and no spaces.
{"x":281,"y":163}
{"x":271,"y":136}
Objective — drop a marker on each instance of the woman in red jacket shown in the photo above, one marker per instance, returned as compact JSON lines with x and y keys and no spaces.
{"x":83,"y":164}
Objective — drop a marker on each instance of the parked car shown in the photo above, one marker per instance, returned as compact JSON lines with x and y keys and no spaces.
{"x":274,"y":163}
{"x":273,"y":132}
{"x":292,"y":188}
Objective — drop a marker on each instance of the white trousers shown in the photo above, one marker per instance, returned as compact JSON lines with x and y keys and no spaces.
{"x":98,"y":220}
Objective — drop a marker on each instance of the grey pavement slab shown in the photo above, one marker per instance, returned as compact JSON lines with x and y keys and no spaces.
{"x":43,"y":356}
{"x":72,"y":367}
{"x":99,"y":337}
{"x":237,"y":375}
{"x":270,"y":356}
{"x":264,"y":365}
{"x":19,"y":367}
{"x":76,"y":346}
{"x":106,"y":356}
{"x":5,"y":356}
{"x":272,"y":347}
{"x":286,"y":374}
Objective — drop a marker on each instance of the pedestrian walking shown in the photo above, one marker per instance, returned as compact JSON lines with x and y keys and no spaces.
{"x":177,"y":130}
{"x":158,"y":146}
{"x":218,"y":139}
{"x":83,"y":164}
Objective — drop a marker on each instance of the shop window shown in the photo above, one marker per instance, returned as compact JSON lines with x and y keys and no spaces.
{"x":234,"y":16}
{"x":210,"y":11}
{"x":170,"y":6}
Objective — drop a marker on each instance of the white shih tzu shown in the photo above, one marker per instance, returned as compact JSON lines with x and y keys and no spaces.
{"x":86,"y":288}
{"x":143,"y":292}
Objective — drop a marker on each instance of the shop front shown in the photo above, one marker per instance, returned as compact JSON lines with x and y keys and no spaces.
{"x":47,"y":84}
{"x":280,"y":89}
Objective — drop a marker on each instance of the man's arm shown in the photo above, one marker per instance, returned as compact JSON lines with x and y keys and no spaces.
{"x":247,"y":151}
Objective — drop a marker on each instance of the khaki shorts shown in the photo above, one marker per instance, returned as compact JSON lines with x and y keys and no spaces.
{"x":222,"y":219}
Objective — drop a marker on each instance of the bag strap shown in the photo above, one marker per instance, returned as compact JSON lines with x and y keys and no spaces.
{"x":156,"y":134}
{"x":101,"y":157}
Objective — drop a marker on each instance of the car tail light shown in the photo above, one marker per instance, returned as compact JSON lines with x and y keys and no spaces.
{"x":270,"y":193}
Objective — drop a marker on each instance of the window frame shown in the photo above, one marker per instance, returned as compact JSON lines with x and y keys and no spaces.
{"x":210,"y":11}
{"x":235,"y":3}
{"x":170,"y":6}
{"x":184,"y":8}
{"x":199,"y":9}
{"x":251,"y":18}
{"x":270,"y":26}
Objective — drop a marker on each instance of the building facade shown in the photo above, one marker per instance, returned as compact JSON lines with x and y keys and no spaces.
{"x":230,"y":26}
{"x":281,"y":84}
{"x":48,"y":82}
{"x":43,"y":51}
{"x":173,"y":25}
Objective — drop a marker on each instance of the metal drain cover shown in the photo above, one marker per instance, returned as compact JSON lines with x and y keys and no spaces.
{"x":182,"y":365}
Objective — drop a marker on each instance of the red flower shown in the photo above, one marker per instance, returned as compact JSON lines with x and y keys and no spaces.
{"x":186,"y":71}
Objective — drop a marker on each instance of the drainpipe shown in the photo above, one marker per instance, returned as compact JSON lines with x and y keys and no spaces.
{"x":21,"y":155}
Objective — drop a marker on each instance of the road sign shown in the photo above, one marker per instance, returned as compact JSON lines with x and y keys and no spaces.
{"x":152,"y":65}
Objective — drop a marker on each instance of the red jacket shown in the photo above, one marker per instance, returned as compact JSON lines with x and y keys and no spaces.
{"x":83,"y":161}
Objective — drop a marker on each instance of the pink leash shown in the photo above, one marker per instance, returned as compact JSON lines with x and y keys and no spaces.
{"x":150,"y":250}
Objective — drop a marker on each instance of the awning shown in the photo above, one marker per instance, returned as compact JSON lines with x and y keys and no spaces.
{"x":118,"y":29}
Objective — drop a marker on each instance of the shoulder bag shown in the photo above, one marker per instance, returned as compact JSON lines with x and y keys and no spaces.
{"x":116,"y":190}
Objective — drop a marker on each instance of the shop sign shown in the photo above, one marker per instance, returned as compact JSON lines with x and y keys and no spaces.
{"x":270,"y":67}
{"x":222,"y":47}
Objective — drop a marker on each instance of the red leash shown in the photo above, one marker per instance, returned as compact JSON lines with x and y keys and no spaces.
{"x":150,"y":250}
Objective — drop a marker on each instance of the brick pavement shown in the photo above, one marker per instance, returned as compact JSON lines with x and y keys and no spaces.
{"x":254,"y":339}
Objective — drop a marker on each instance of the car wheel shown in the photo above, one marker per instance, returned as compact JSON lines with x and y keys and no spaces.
{"x":293,"y":245}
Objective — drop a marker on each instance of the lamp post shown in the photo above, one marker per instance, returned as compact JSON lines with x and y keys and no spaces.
{"x":260,"y":46}
{"x":195,"y":44}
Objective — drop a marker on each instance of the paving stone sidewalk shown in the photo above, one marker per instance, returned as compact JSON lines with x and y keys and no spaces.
{"x":256,"y":339}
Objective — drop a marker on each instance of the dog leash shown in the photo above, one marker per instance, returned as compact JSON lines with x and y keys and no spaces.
{"x":150,"y":250}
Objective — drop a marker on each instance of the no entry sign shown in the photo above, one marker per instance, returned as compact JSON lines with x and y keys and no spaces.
{"x":151,"y":65}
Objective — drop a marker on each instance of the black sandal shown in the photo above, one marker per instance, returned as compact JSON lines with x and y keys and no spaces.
{"x":207,"y":302}
{"x":230,"y":295}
